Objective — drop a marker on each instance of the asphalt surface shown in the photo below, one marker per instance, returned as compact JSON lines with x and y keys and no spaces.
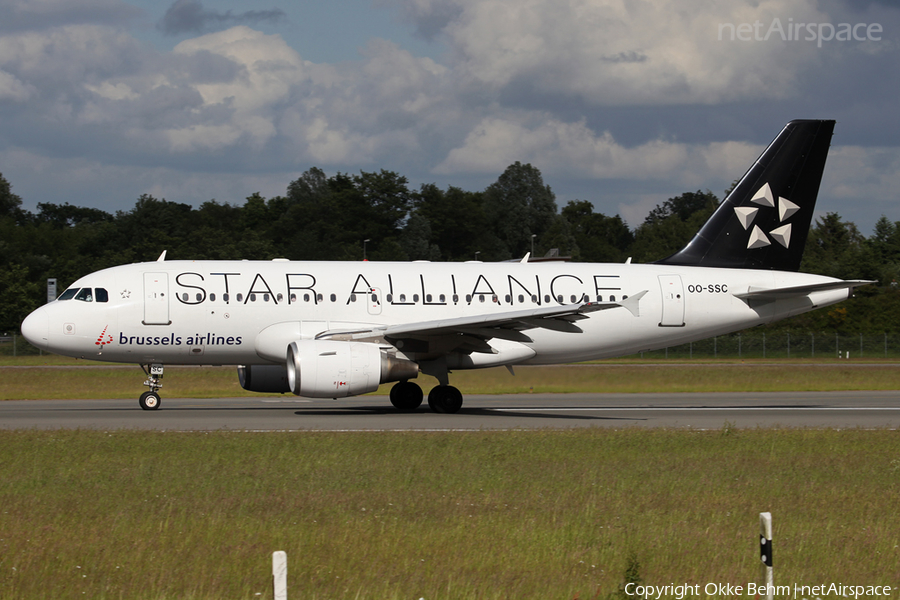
{"x":525,"y":411}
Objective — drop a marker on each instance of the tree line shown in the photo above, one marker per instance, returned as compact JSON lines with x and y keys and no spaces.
{"x":343,"y":216}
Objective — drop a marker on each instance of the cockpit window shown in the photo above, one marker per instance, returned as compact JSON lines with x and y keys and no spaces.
{"x":84,"y":295}
{"x":68,"y":294}
{"x":101,"y":295}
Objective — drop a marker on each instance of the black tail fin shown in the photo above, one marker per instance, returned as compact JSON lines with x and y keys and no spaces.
{"x":764,"y":221}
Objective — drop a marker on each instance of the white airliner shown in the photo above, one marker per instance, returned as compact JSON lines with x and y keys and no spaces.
{"x":335,"y":329}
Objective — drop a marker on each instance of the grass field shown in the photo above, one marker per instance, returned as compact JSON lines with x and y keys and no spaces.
{"x":57,"y":378}
{"x":545,"y":514}
{"x":487,"y":515}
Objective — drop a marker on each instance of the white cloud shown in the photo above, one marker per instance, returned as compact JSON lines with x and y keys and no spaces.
{"x":539,"y":81}
{"x":572,"y":148}
{"x":609,"y":52}
{"x":270,"y":67}
{"x":868,"y":174}
{"x":11,"y":88}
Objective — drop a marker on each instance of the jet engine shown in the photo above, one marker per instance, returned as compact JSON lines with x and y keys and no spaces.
{"x":270,"y":379}
{"x":333,"y":369}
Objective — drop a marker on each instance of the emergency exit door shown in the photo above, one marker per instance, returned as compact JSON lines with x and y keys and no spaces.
{"x":672,"y":301}
{"x":156,"y":299}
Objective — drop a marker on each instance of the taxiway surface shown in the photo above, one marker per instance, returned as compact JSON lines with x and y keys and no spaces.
{"x":524,"y":411}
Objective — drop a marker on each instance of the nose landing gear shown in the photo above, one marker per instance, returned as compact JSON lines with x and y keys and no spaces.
{"x":150,"y":400}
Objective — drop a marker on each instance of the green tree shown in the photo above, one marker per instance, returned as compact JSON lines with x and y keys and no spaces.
{"x":10,"y":204}
{"x":559,"y":236}
{"x":885,"y":247}
{"x":599,"y":238}
{"x":416,"y":239}
{"x":518,"y":205}
{"x":328,"y":218}
{"x":19,"y":295}
{"x":672,"y":224}
{"x":456,"y":217}
{"x":835,"y":248}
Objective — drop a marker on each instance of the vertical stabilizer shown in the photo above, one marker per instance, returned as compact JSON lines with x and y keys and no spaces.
{"x":764,"y":221}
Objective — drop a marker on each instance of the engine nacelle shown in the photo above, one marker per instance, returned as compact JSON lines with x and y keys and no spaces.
{"x":271,"y":379}
{"x":334,"y":369}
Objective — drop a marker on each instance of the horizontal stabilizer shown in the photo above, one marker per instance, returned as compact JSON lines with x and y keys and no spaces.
{"x":799,"y":290}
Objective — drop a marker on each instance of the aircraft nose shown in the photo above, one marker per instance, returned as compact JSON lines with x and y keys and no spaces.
{"x":36,"y":328}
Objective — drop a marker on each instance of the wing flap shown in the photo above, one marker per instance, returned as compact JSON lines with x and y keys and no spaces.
{"x":506,"y":325}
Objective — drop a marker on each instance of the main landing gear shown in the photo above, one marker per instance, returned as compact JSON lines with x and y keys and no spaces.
{"x":150,"y":400}
{"x":407,"y":396}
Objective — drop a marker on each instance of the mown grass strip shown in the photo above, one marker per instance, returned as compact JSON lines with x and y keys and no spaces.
{"x":546,"y":514}
{"x":85,"y":381}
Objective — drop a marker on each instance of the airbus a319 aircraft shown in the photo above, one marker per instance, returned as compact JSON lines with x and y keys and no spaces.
{"x":336,"y":329}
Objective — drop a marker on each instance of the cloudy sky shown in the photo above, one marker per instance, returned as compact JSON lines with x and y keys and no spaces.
{"x":621,"y":102}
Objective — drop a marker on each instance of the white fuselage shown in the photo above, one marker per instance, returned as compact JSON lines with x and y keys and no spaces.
{"x":213,"y":312}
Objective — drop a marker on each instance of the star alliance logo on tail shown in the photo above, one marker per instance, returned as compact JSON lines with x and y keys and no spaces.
{"x":746,"y":215}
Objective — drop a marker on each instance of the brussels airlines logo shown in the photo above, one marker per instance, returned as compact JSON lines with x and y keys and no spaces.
{"x":746,"y":214}
{"x":104,"y":338}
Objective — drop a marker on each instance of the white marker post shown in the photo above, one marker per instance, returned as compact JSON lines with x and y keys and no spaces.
{"x":765,"y":552}
{"x":279,"y":575}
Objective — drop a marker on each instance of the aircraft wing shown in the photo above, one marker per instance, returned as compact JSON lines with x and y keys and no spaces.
{"x":506,"y":325}
{"x":797,"y":291}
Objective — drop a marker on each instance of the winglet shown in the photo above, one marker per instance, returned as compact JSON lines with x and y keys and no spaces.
{"x":162,"y":256}
{"x":631,"y":303}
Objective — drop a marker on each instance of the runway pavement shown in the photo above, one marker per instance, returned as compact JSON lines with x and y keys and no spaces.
{"x":526,"y":411}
